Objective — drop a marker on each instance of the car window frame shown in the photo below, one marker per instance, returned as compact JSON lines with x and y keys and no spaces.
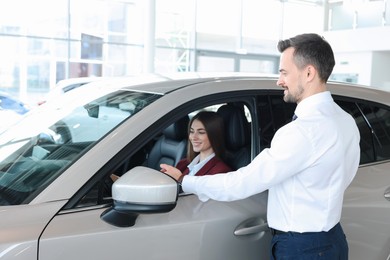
{"x":155,"y":129}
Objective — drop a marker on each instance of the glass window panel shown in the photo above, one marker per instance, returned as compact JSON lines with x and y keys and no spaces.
{"x":302,"y":18}
{"x":27,"y":63}
{"x":369,"y":14}
{"x":341,"y":17}
{"x":215,"y":64}
{"x":90,"y":49}
{"x":261,"y":19}
{"x":125,"y":22}
{"x":123,"y":60}
{"x":261,"y":24}
{"x":387,"y":14}
{"x":121,"y":22}
{"x":87,"y":16}
{"x":33,"y":18}
{"x":134,"y":22}
{"x":83,"y":69}
{"x":258,"y":66}
{"x":216,"y":42}
{"x":218,"y":17}
{"x":38,"y":76}
{"x":58,"y":49}
{"x":218,"y":24}
{"x":10,"y":53}
{"x":174,"y":23}
{"x":260,"y":46}
{"x":171,"y":60}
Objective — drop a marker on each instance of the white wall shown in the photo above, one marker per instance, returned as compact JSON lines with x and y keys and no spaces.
{"x":363,"y":39}
{"x":380,"y":70}
{"x":364,"y":51}
{"x":359,"y":63}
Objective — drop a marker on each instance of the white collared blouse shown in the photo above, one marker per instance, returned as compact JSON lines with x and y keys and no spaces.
{"x":196,"y":164}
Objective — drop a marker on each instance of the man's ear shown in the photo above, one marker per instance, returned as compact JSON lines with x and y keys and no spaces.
{"x":310,"y":73}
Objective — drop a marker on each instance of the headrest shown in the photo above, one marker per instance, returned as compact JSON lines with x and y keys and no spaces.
{"x":236,"y":125}
{"x":178,"y":130}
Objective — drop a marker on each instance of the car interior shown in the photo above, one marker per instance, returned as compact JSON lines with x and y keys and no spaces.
{"x":171,"y":146}
{"x":237,"y":135}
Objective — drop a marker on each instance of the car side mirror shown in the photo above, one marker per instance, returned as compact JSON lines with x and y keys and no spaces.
{"x":141,"y":190}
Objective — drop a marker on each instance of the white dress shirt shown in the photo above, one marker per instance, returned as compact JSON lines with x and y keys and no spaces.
{"x":309,"y":165}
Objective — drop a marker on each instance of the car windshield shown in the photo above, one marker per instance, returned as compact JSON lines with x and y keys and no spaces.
{"x":41,"y":146}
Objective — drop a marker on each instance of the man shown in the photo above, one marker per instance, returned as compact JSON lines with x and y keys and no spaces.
{"x":310,"y":163}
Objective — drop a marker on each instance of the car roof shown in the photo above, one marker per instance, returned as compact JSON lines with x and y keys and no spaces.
{"x":163,"y":84}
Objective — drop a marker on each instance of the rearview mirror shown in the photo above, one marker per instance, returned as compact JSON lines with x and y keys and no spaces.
{"x":93,"y":110}
{"x":140,"y":190}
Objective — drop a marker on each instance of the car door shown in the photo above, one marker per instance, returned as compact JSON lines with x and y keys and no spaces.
{"x":192,"y":230}
{"x":366,"y":208}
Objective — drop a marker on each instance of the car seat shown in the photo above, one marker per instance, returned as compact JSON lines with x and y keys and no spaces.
{"x":237,"y":135}
{"x":171,"y":146}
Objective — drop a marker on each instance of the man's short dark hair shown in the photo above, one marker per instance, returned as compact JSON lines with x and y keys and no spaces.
{"x":311,"y":49}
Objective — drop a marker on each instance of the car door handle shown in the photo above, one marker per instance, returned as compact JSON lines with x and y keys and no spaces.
{"x":251,"y":230}
{"x":387,"y":194}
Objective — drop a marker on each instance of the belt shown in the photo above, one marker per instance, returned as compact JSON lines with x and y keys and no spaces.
{"x":279,"y":232}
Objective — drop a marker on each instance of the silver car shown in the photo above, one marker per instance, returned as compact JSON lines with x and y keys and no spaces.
{"x":58,"y":200}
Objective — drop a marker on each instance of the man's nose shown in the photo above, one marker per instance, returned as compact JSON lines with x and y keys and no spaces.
{"x":279,"y":82}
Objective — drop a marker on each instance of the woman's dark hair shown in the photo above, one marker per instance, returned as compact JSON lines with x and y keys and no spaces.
{"x":214,"y":126}
{"x":311,"y":49}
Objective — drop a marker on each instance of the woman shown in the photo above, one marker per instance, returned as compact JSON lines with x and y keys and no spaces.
{"x":206,"y":146}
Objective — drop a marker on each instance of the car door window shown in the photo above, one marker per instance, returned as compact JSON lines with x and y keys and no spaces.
{"x":366,"y":141}
{"x":378,"y":119}
{"x":373,"y":122}
{"x":273,"y":113}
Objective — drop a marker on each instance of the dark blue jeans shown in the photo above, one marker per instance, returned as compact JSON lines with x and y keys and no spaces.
{"x":330,"y":245}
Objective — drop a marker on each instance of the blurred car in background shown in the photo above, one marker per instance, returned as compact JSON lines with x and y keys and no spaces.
{"x":11,"y":110}
{"x":8,"y":102}
{"x":66,"y":85}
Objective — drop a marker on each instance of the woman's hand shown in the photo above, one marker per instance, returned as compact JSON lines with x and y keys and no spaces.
{"x":171,"y":171}
{"x":114,"y":177}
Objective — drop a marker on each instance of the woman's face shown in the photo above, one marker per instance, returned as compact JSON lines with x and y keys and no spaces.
{"x":199,"y":138}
